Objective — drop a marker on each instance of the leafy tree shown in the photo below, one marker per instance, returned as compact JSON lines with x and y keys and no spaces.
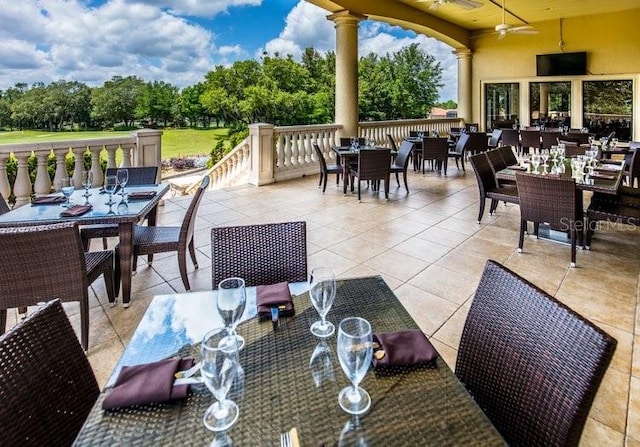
{"x":190,"y":106}
{"x":116,"y":100}
{"x":157,"y":102}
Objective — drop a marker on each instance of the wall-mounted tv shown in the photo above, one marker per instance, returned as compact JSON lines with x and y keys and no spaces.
{"x":562,"y":64}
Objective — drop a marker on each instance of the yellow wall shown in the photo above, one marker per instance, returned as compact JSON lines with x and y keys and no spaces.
{"x":612,"y":43}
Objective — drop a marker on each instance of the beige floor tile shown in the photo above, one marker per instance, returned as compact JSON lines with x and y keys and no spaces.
{"x":596,"y":434}
{"x":633,"y":428}
{"x":429,"y":311}
{"x":397,"y":264}
{"x":610,"y":404}
{"x":419,"y":248}
{"x":442,"y":236}
{"x":450,"y":332}
{"x":452,"y":286}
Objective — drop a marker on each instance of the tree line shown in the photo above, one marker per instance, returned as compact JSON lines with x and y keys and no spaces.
{"x":274,"y":89}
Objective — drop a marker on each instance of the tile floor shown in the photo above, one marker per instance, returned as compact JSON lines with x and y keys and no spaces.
{"x":431,"y":251}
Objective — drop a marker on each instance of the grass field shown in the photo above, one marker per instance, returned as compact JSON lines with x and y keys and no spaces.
{"x":175,"y":142}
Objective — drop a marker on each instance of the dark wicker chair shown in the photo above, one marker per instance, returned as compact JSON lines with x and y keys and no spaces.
{"x":471,"y":127}
{"x":496,"y":161}
{"x":458,"y":152}
{"x":530,"y":139}
{"x":571,"y":148}
{"x":144,"y":175}
{"x":532,"y":364}
{"x":632,"y":164}
{"x":624,"y":209}
{"x":551,"y":200}
{"x":435,"y":150}
{"x":494,"y":140}
{"x":148,"y":240}
{"x":511,"y":137}
{"x":374,"y":165}
{"x":549,"y":138}
{"x":401,"y":162}
{"x":4,"y":206}
{"x":487,"y":186}
{"x":507,"y":155}
{"x":47,"y":387}
{"x":260,"y":254}
{"x":477,"y":143}
{"x":346,"y":142}
{"x":43,"y":262}
{"x":326,"y":169}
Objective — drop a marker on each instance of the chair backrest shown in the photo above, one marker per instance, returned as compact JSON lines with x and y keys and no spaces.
{"x":530,"y":138}
{"x":416,"y":133}
{"x":532,"y":364}
{"x":549,"y":138}
{"x":346,"y":141}
{"x":392,"y":143}
{"x":374,"y":164}
{"x":571,"y":148}
{"x":321,"y":160}
{"x":461,"y":144}
{"x":548,"y":198}
{"x":40,"y":263}
{"x":495,"y":160}
{"x":634,"y":168}
{"x":434,"y":148}
{"x":47,"y":386}
{"x":477,"y":142}
{"x":496,"y":135}
{"x":260,"y":254}
{"x":471,"y":127}
{"x":610,"y":137}
{"x":507,"y":155}
{"x":143,"y":175}
{"x":510,"y":137}
{"x":484,"y":175}
{"x":4,"y":207}
{"x":189,"y":221}
{"x":402,"y":159}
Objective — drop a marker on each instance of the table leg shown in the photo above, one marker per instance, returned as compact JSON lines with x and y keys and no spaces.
{"x":125,"y":230}
{"x":345,"y":173}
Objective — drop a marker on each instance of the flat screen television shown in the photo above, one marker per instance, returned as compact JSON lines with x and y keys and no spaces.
{"x":562,"y":64}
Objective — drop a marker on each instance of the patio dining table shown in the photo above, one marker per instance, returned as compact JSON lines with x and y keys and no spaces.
{"x":292,"y":379}
{"x":348,"y":154}
{"x":123,"y":214}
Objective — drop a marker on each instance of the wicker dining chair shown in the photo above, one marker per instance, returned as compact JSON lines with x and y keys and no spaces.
{"x":477,"y":143}
{"x":401,"y":162}
{"x":346,"y":141}
{"x":47,"y":386}
{"x":494,"y":140}
{"x":507,"y":155}
{"x":326,"y":169}
{"x":552,"y":200}
{"x":511,"y":137}
{"x":43,"y":262}
{"x":4,"y":206}
{"x":435,"y":150}
{"x":138,"y":176}
{"x":374,"y":165}
{"x":150,"y":239}
{"x":261,"y":254}
{"x":549,"y":138}
{"x":532,"y":364}
{"x":458,"y":152}
{"x":488,"y":187}
{"x":530,"y":139}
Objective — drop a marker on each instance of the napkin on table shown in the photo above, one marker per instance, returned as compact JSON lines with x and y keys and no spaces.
{"x":47,"y":200}
{"x":404,"y":348}
{"x":141,"y":195}
{"x":147,"y":383}
{"x":274,"y":295}
{"x":75,"y":210}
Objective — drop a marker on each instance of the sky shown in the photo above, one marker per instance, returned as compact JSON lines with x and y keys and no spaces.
{"x":176,"y":41}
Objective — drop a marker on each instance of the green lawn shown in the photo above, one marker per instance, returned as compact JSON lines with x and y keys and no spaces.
{"x":175,"y":142}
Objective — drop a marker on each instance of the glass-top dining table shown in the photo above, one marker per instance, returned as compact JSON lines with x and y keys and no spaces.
{"x":292,"y":379}
{"x":125,"y":214}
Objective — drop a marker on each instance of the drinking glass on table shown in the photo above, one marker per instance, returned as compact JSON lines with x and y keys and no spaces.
{"x":355,"y":351}
{"x":87,"y":182}
{"x":123,"y":177}
{"x":544,"y":155}
{"x":535,"y":162}
{"x":219,"y":357}
{"x":110,"y":185}
{"x":322,"y":290}
{"x":232,"y":300}
{"x":67,"y":190}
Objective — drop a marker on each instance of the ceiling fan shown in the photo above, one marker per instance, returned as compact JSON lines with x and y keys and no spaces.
{"x":466,"y":4}
{"x":502,"y":29}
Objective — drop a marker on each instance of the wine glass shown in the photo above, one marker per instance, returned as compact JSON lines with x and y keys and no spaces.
{"x":123,"y":177}
{"x":232,"y":300}
{"x":321,"y":364}
{"x":353,"y":434}
{"x":353,"y":140}
{"x":67,"y":190}
{"x":535,"y":162}
{"x":110,"y":185}
{"x":544,"y":155}
{"x":322,"y":290}
{"x":87,"y":182}
{"x":219,"y":357}
{"x":354,"y":353}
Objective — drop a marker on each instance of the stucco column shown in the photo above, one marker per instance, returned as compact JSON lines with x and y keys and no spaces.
{"x":262,"y":154}
{"x":545,"y":90}
{"x":346,"y":24}
{"x":464,"y":84}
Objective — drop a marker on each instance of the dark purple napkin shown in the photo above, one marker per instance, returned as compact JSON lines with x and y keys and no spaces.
{"x":517,"y":168}
{"x":403,"y":348}
{"x":274,"y":295}
{"x":603,"y":175}
{"x":141,"y":195}
{"x":48,"y":200}
{"x":148,"y":383}
{"x":75,"y":210}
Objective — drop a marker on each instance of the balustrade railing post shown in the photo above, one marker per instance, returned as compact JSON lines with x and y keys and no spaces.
{"x":78,"y":166}
{"x":96,"y":169}
{"x":148,"y":149}
{"x":262,"y":154}
{"x":42,"y":184}
{"x":111,"y":155}
{"x":22,"y":185}
{"x":5,"y":186}
{"x":61,"y":167}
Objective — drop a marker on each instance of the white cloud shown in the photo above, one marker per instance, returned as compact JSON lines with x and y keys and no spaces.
{"x":201,"y":8}
{"x":307,"y":26}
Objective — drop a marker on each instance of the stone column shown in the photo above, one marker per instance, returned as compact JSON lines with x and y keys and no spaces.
{"x":545,"y":90}
{"x":464,"y":84}
{"x":22,"y":184}
{"x":346,"y":113}
{"x":261,"y":171}
{"x":148,"y":150}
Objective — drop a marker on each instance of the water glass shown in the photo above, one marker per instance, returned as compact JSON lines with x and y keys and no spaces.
{"x":87,"y":182}
{"x":219,"y":357}
{"x":123,"y":177}
{"x":110,"y":185}
{"x":231,"y":302}
{"x":355,"y":352}
{"x":67,"y":189}
{"x":322,"y":290}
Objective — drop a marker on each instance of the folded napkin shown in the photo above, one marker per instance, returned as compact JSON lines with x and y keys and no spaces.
{"x":403,"y":348}
{"x":141,"y":195}
{"x":517,"y":168}
{"x":274,"y":295}
{"x":148,"y":383}
{"x":609,"y":168}
{"x":603,"y":175}
{"x":76,"y":210}
{"x":48,"y":200}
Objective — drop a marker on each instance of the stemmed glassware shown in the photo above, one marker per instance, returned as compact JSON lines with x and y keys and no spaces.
{"x":535,"y":162}
{"x":544,"y":155}
{"x":322,"y":290}
{"x":67,"y":189}
{"x":87,"y":181}
{"x":232,"y":300}
{"x":123,"y":177}
{"x":110,"y":185}
{"x":355,"y":351}
{"x":219,"y":357}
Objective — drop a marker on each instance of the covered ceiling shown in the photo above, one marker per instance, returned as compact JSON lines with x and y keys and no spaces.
{"x":454,"y":24}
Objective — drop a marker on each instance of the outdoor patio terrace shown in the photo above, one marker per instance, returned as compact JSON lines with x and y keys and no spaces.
{"x":431,"y":251}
